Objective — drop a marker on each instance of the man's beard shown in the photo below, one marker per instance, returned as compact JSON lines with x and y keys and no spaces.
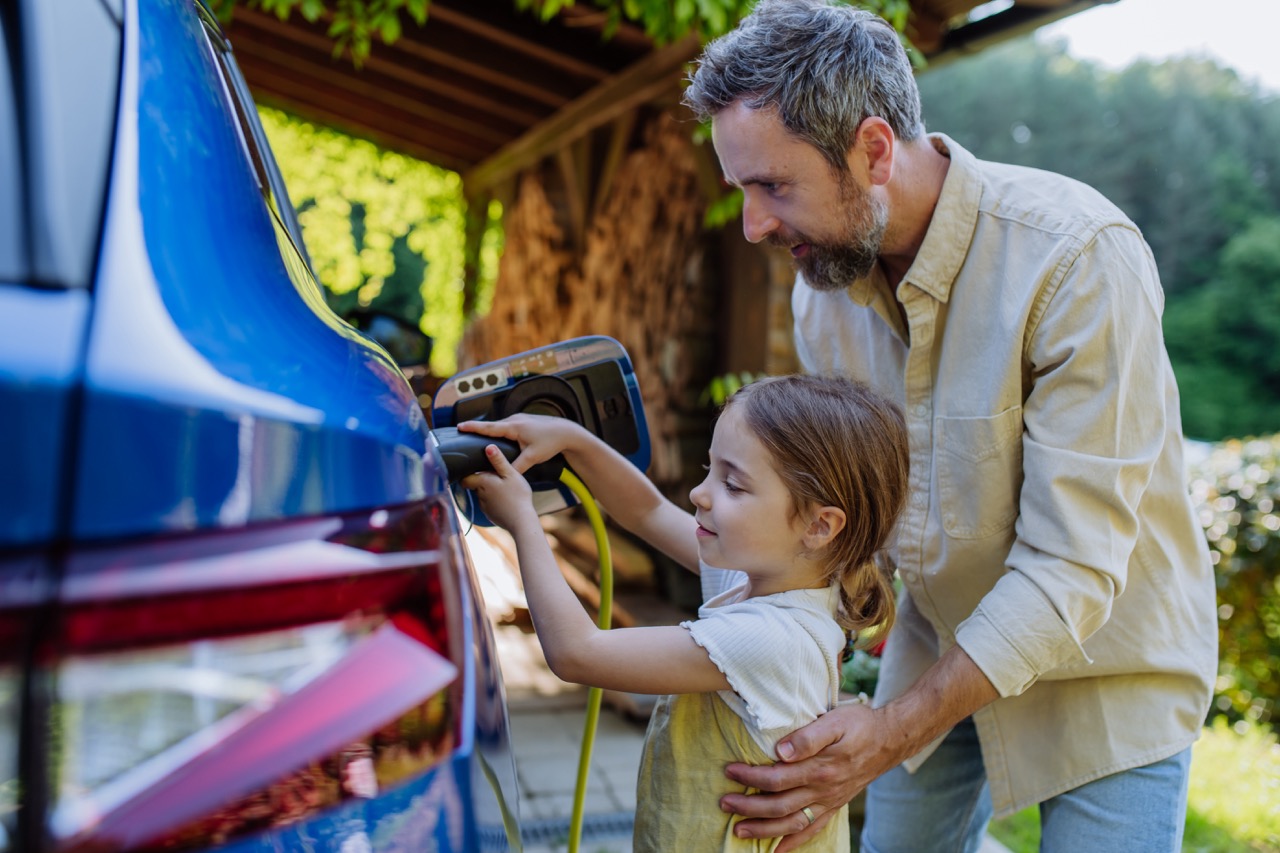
{"x":852,"y":253}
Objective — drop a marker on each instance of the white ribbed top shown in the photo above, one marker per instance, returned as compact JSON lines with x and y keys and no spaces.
{"x":780,"y":652}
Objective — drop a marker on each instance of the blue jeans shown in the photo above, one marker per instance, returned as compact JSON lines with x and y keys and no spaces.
{"x":944,"y":806}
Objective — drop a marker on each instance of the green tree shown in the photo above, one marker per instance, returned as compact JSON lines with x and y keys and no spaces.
{"x":1222,"y":340}
{"x":1192,"y":155}
{"x":383,"y":230}
{"x":1189,"y":151}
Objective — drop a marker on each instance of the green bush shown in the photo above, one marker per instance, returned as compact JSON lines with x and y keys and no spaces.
{"x":384,"y":231}
{"x":1237,"y":489}
{"x":860,"y":672}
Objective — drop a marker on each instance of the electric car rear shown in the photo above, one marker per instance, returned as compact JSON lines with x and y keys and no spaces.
{"x":236,"y":611}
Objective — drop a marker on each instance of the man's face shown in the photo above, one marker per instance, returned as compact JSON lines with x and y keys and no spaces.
{"x":832,"y":226}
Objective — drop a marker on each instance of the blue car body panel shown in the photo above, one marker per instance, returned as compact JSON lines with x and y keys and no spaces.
{"x":41,"y":345}
{"x":225,"y":389}
{"x":199,"y":382}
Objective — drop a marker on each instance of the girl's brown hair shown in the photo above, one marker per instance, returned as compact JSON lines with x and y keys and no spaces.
{"x":835,"y":442}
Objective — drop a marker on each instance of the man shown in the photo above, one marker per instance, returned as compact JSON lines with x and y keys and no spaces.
{"x":1056,"y":643}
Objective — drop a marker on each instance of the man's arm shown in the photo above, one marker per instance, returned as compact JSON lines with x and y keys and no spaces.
{"x":828,"y":762}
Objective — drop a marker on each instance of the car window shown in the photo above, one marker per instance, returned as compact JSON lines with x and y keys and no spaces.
{"x":257,"y":148}
{"x":71,"y":57}
{"x":279,"y":194}
{"x":13,"y":250}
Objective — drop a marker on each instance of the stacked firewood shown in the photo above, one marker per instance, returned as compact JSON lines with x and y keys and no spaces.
{"x":637,"y":276}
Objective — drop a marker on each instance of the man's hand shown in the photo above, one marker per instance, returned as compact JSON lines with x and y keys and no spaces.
{"x":824,"y":765}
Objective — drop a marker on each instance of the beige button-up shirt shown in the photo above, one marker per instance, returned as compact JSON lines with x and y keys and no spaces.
{"x":1049,"y":530}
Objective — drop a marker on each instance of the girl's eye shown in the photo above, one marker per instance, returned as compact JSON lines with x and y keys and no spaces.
{"x":731,"y":488}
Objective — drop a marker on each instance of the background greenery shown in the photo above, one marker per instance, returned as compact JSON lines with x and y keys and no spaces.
{"x":1237,"y":490}
{"x":1187,"y":150}
{"x":384,"y":231}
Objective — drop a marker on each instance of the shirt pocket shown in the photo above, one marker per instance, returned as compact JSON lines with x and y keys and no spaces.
{"x":979,"y":473}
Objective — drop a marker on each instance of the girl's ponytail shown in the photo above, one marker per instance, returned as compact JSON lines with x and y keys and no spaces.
{"x":867,"y":601}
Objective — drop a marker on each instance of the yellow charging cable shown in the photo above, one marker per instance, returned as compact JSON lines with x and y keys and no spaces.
{"x":595,"y":694}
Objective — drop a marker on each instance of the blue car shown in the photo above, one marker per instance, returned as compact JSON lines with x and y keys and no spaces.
{"x":236,"y":609}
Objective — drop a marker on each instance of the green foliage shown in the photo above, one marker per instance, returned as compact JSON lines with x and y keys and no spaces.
{"x":383,"y":230}
{"x":1237,"y":491}
{"x":721,"y":388}
{"x":354,"y":24}
{"x":1222,"y":339}
{"x":860,"y":673}
{"x":1235,"y":789}
{"x":1233,"y":801}
{"x":666,"y":21}
{"x":1019,"y":832}
{"x":724,"y":210}
{"x":1187,"y":150}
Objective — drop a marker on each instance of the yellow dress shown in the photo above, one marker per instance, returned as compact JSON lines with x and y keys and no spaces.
{"x":780,"y":654}
{"x":692,"y":737}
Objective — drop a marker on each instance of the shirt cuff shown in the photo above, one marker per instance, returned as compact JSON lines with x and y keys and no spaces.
{"x":1015,"y":636}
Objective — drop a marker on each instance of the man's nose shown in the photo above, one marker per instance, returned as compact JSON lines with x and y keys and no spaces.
{"x":757,"y":222}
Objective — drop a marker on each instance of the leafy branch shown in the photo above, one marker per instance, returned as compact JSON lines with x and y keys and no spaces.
{"x":354,"y":24}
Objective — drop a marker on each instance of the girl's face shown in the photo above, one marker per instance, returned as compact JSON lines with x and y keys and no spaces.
{"x":745,"y":517}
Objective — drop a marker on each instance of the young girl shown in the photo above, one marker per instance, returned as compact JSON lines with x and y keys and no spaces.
{"x":806,"y":479}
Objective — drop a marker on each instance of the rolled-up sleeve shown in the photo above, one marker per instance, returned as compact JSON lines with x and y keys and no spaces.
{"x":1094,"y":426}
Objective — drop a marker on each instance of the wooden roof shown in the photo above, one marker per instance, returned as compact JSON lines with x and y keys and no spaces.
{"x":487,"y":90}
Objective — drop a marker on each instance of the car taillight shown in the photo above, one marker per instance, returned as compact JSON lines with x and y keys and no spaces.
{"x":10,"y":702}
{"x":24,"y":593}
{"x":208,"y":686}
{"x":9,"y":686}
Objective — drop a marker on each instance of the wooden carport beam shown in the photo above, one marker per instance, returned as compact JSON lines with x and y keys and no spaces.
{"x":1015,"y":21}
{"x":640,"y":83}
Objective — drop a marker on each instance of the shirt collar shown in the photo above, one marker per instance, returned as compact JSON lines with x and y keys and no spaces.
{"x":946,"y":243}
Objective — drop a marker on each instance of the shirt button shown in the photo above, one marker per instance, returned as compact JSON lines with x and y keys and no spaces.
{"x":908,"y":575}
{"x":921,"y":410}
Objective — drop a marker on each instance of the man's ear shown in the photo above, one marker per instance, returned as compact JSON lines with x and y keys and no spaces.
{"x":824,"y":526}
{"x":872,"y":150}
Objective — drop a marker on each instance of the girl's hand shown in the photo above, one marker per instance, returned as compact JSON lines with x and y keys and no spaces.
{"x":504,"y":494}
{"x":540,"y":436}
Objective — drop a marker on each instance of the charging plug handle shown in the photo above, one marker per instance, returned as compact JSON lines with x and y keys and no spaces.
{"x":464,"y":455}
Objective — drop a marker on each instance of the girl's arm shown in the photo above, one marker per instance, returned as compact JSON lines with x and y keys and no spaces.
{"x":636,"y":660}
{"x":626,"y":494}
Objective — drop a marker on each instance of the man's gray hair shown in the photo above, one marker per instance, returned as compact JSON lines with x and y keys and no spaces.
{"x":825,"y":67}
